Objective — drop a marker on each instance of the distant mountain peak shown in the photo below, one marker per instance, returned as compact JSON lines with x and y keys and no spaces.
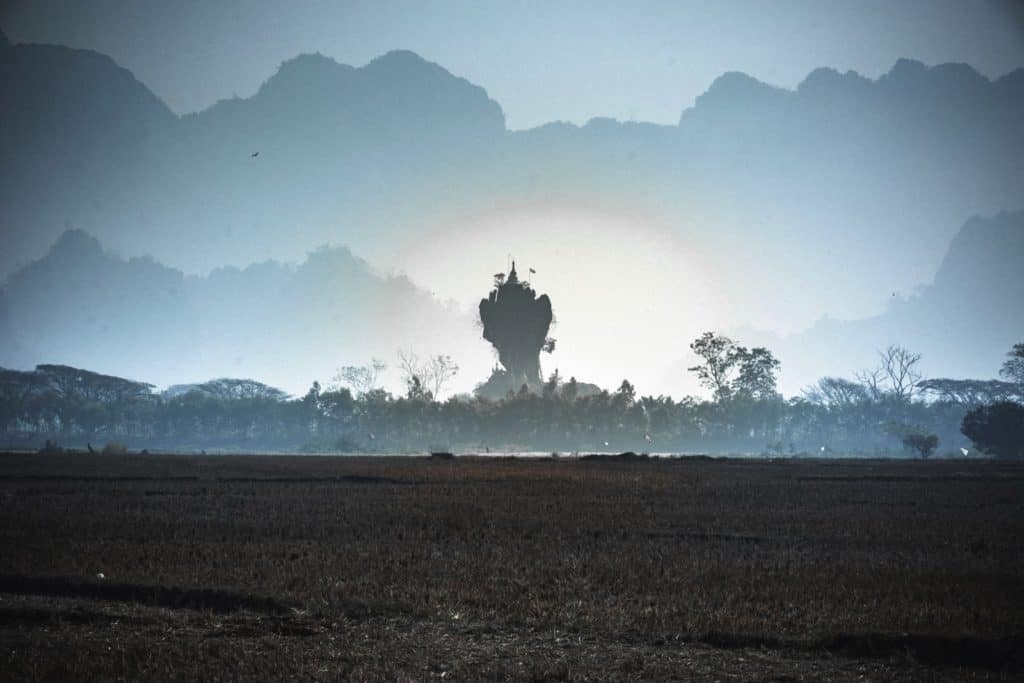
{"x":83,"y":306}
{"x":732,"y":81}
{"x":401,"y":58}
{"x":399,"y":85}
{"x":906,"y":67}
{"x":909,"y":79}
{"x":1015,"y":76}
{"x":309,"y":61}
{"x":77,"y":243}
{"x":985,"y":256}
{"x":75,"y":84}
{"x":910,"y":72}
{"x":309,"y":71}
{"x":737,"y":87}
{"x":310,"y":67}
{"x":827,"y":79}
{"x":732,"y":92}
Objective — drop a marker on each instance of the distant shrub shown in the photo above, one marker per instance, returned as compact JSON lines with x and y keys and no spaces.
{"x":922,"y":444}
{"x":50,"y":448}
{"x":914,"y":438}
{"x":628,"y":456}
{"x":114,"y":448}
{"x":997,"y":428}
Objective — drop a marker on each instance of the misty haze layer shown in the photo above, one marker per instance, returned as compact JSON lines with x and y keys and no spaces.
{"x":826,"y":200}
{"x":289,"y":325}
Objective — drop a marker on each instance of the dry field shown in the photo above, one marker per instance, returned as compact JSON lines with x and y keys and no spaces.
{"x":261,"y":567}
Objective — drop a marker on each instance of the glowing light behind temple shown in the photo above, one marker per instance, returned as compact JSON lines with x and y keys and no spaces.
{"x":629,"y":294}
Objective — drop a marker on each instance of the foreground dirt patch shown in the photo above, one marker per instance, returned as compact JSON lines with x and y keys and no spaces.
{"x":471,"y":568}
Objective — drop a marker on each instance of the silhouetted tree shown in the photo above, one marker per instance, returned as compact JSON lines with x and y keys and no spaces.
{"x":571,"y":389}
{"x":360,"y":379}
{"x":997,"y":428}
{"x":410,"y":368}
{"x":441,"y":369}
{"x":836,"y":392}
{"x":551,"y":385}
{"x":838,"y":414}
{"x":416,"y":391}
{"x":899,"y":368}
{"x":873,"y":382}
{"x":758,"y":369}
{"x":970,"y":392}
{"x":312,"y":397}
{"x":922,"y":444}
{"x":434,"y":373}
{"x":337,"y":405}
{"x":719,"y":356}
{"x":1013,"y":367}
{"x":227,"y":388}
{"x":731,"y":370}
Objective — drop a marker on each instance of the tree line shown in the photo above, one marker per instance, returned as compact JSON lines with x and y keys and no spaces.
{"x":883,"y":410}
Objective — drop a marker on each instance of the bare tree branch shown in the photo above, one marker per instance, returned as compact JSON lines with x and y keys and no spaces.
{"x":360,"y":379}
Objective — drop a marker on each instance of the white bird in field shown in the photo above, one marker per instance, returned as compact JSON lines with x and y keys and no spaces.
{"x":964,"y":451}
{"x":606,"y":444}
{"x":100,"y":576}
{"x":648,"y":439}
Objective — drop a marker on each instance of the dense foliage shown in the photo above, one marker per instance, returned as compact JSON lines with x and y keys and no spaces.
{"x":886,"y":410}
{"x":997,"y":428}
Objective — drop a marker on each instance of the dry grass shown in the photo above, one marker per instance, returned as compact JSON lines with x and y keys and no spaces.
{"x":405,"y":567}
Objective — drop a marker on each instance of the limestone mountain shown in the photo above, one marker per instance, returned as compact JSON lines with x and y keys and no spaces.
{"x":282,"y":323}
{"x":963,"y":322}
{"x":855,"y":182}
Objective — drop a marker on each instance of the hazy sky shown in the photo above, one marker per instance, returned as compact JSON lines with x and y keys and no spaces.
{"x":542,"y":60}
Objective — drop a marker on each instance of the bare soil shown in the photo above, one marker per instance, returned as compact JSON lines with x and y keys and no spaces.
{"x":259,"y":567}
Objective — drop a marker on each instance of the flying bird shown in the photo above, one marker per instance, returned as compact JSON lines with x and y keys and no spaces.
{"x":533,"y":271}
{"x":254,"y":154}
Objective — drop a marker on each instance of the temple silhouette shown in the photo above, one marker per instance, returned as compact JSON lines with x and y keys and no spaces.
{"x":516,"y":322}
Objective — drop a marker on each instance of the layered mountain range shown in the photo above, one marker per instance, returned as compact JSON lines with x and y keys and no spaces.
{"x":826,"y":200}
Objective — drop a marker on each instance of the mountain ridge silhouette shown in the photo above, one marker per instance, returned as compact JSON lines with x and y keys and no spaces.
{"x":855,"y":182}
{"x":287,"y":315}
{"x":85,"y":306}
{"x":963,"y":321}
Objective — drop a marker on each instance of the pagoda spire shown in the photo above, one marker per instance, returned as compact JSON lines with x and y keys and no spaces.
{"x":512,"y":277}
